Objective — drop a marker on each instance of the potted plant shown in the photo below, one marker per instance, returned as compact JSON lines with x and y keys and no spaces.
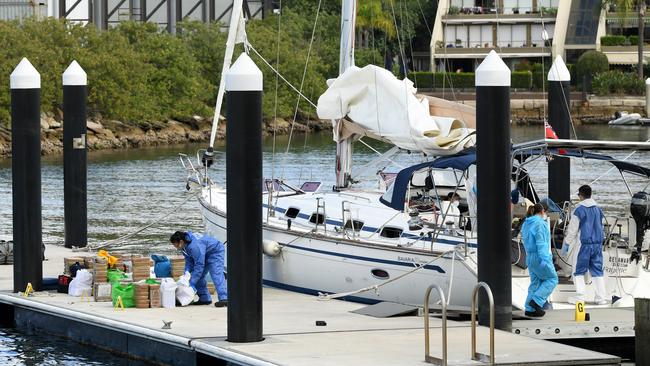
{"x":459,"y":43}
{"x":454,"y":10}
{"x":515,"y":10}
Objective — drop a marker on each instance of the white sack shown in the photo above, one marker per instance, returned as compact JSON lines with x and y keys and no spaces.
{"x":184,"y":293}
{"x":81,"y":284}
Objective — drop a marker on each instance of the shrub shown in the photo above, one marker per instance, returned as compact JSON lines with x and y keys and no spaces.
{"x":634,"y":40}
{"x":618,"y":82}
{"x":522,"y":79}
{"x":591,"y":63}
{"x":523,"y":65}
{"x":454,"y":10}
{"x":612,"y":40}
{"x":429,"y":80}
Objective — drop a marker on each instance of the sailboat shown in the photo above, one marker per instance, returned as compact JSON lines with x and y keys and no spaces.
{"x":390,"y":244}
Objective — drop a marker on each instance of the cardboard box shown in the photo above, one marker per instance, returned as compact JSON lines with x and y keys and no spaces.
{"x":102,"y":292}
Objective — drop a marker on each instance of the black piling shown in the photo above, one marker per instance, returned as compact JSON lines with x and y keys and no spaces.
{"x":559,"y":117}
{"x":244,"y":187}
{"x":493,"y":188}
{"x":75,"y":156}
{"x":25,"y":84}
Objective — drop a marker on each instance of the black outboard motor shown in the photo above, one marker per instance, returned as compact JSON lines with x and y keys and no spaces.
{"x":640,"y":210}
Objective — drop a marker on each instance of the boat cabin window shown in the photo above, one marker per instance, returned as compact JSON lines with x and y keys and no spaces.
{"x":391,"y":232}
{"x":317,"y":218}
{"x":380,"y":273}
{"x":292,"y":212}
{"x":357,"y":224}
{"x":310,"y":186}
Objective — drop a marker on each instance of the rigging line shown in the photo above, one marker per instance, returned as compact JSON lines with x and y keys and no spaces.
{"x":304,"y":74}
{"x":401,"y":51}
{"x":614,"y":167}
{"x":424,"y":17}
{"x":275,"y":107}
{"x":399,"y":41}
{"x":380,"y":154}
{"x":281,"y":77}
{"x":150,"y":224}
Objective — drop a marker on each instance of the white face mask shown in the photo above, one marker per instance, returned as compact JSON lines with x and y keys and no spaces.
{"x":455,"y":204}
{"x":545,"y":217}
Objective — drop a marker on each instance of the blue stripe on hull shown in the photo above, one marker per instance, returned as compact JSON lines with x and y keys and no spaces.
{"x":356,"y":257}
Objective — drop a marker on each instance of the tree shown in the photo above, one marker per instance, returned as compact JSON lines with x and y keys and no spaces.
{"x":626,"y":7}
{"x":371,"y":16}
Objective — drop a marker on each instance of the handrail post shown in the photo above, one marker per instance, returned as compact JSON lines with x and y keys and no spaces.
{"x":427,"y":356}
{"x":476,"y":356}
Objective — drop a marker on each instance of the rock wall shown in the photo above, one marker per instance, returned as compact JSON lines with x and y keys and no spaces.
{"x":111,"y":134}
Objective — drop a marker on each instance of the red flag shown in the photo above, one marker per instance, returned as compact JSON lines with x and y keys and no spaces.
{"x":550,"y":134}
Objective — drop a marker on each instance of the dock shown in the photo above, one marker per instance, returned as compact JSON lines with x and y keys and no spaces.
{"x":292,"y":337}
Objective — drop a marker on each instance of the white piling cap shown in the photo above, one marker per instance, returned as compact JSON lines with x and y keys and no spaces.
{"x":25,"y":76}
{"x":647,"y":81}
{"x":492,"y":71}
{"x":559,"y":71}
{"x":244,"y":75}
{"x":75,"y":75}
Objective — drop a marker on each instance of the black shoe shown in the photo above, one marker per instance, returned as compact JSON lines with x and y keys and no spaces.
{"x":535,"y":314}
{"x":538,"y":309}
{"x":201,"y":302}
{"x":221,"y":303}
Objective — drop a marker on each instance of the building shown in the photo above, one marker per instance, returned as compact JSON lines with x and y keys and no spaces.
{"x":466,"y":30}
{"x":105,"y":13}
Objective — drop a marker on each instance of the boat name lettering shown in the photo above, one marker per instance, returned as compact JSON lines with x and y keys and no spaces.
{"x":410,"y":259}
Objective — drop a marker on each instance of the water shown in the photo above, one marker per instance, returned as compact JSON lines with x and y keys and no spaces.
{"x":129,"y":188}
{"x":20,"y":349}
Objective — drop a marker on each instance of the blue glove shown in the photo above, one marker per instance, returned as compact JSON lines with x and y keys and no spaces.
{"x":565,"y":249}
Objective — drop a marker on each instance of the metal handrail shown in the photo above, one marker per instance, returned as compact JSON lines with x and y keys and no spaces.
{"x":427,"y":356}
{"x":476,"y":356}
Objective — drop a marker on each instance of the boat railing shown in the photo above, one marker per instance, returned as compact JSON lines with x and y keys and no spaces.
{"x":476,"y":356}
{"x":427,"y":355}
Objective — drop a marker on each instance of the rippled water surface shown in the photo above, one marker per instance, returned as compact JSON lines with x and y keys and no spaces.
{"x":20,"y":349}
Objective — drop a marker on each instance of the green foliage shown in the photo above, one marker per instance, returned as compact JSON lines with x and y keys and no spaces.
{"x":429,"y":80}
{"x":618,"y":82}
{"x":634,"y":40}
{"x":454,"y":10}
{"x":612,"y":40}
{"x":521,"y":80}
{"x":523,"y":65}
{"x":591,"y":63}
{"x":136,"y":73}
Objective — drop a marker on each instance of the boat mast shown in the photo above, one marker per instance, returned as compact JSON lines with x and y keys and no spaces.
{"x":236,"y":34}
{"x":346,"y":60}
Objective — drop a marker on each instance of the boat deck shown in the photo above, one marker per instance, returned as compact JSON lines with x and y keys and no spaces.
{"x":291,"y":334}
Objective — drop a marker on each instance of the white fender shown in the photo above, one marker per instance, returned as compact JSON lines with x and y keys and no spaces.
{"x":271,"y":248}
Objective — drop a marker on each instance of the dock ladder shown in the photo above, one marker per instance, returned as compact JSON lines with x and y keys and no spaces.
{"x":476,"y":356}
{"x":427,"y":356}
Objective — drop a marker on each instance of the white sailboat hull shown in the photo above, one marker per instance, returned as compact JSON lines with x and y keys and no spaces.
{"x":319,"y":264}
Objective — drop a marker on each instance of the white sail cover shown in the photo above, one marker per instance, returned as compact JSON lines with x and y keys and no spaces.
{"x":375,"y":103}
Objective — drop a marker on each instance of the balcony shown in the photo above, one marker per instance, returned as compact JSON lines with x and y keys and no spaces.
{"x":480,"y":52}
{"x":456,"y":15}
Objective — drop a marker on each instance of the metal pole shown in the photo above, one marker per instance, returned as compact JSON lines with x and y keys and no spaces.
{"x":493,"y":188}
{"x":204,"y":11}
{"x":559,"y":117}
{"x":642,"y":331}
{"x":143,"y":10}
{"x":97,"y":13}
{"x":647,"y":97}
{"x":75,"y":156}
{"x":62,"y":9}
{"x":244,"y":186}
{"x":25,"y":83}
{"x":104,"y":18}
{"x":171,"y":16}
{"x":179,"y":11}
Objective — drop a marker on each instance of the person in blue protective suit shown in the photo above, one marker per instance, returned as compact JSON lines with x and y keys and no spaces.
{"x":586,"y":234}
{"x":536,"y":236}
{"x":203,"y":254}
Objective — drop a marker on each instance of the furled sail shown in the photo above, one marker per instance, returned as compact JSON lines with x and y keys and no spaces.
{"x":373,"y":102}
